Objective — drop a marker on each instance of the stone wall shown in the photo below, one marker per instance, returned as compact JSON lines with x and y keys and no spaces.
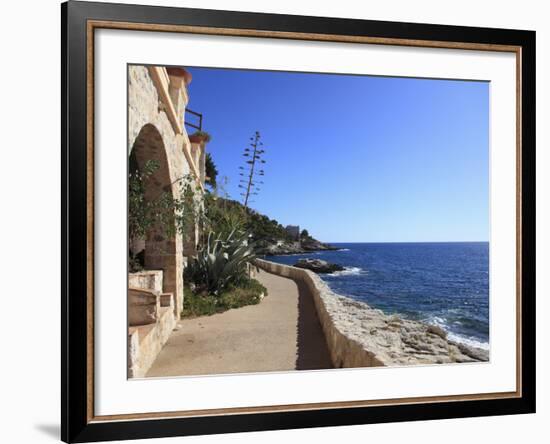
{"x":150,"y":318}
{"x":345,"y":352}
{"x":146,"y":341}
{"x":144,"y":107}
{"x":360,"y":336}
{"x":144,"y":110}
{"x":156,"y":131}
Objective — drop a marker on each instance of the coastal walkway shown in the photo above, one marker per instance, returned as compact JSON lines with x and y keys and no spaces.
{"x":280,"y":333}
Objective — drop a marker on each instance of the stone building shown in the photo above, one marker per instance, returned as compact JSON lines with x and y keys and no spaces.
{"x":293,"y":231}
{"x":157,"y":100}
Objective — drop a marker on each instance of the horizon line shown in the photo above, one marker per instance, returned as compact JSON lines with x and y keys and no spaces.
{"x":408,"y":242}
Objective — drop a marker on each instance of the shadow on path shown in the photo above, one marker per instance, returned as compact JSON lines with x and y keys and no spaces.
{"x":313,"y":352}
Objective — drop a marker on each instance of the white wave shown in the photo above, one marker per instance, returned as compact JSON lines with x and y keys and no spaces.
{"x":470,"y":342}
{"x":343,"y":249}
{"x":348,"y":271}
{"x":437,"y":321}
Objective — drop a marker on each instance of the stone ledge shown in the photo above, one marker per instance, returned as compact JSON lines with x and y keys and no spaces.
{"x":143,"y":306}
{"x":146,"y":280}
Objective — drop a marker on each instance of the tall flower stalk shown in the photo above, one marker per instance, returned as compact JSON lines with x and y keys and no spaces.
{"x":249,"y":182}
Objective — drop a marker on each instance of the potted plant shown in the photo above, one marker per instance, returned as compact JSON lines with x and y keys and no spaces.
{"x":179,"y":71}
{"x":200,"y":137}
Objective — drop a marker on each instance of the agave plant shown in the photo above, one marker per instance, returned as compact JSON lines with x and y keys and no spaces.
{"x":222,"y":262}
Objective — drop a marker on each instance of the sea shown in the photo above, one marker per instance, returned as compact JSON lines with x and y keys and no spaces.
{"x":444,"y":284}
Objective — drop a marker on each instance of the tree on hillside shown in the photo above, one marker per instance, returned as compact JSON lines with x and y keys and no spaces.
{"x":211,"y":171}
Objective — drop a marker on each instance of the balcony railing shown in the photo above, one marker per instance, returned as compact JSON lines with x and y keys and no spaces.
{"x":197,"y":124}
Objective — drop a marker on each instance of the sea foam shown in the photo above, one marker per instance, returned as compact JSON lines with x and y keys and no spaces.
{"x":468,"y":341}
{"x":353,"y":271}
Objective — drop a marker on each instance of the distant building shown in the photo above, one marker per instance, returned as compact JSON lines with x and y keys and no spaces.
{"x":293,"y":231}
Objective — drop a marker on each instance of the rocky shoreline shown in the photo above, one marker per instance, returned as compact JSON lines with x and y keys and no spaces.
{"x":288,"y":248}
{"x":318,"y":266}
{"x":397,"y":341}
{"x":359,"y":335}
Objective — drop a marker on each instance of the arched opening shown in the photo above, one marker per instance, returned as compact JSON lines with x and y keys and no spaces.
{"x":156,"y":246}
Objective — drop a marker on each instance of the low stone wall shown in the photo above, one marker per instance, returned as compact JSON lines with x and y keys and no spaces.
{"x":150,"y":320}
{"x":360,"y":336}
{"x":345,"y":352}
{"x":146,"y":341}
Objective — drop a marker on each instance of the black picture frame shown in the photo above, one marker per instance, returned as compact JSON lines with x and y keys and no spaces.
{"x":76,"y":423}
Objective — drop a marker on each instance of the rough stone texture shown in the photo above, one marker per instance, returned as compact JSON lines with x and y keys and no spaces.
{"x":133,"y":353}
{"x":146,"y":341}
{"x":152,"y":136}
{"x":156,"y":131}
{"x":198,"y":153}
{"x":146,"y":280}
{"x":360,"y":336}
{"x":143,"y":306}
{"x":166,"y":300}
{"x":178,"y":94}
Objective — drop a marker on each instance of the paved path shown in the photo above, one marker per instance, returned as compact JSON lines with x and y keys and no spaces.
{"x":280,"y":333}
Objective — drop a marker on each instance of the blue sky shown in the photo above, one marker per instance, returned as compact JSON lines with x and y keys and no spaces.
{"x":356,"y":158}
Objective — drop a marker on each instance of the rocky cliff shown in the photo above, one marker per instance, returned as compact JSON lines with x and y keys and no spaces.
{"x":276,"y":247}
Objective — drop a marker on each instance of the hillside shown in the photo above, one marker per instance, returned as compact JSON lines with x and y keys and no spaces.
{"x":268,"y":234}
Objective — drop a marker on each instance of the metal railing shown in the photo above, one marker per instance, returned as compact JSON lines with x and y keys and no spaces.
{"x":197,"y":126}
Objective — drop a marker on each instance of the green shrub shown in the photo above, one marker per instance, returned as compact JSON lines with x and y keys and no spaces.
{"x":249,"y":292}
{"x":206,"y":136}
{"x":224,"y":214}
{"x":222,"y":262}
{"x":211,"y":171}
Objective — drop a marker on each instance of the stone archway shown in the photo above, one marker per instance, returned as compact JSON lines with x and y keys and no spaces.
{"x":161,"y":251}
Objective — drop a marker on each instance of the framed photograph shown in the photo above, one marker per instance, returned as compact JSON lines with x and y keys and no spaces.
{"x":275,"y":221}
